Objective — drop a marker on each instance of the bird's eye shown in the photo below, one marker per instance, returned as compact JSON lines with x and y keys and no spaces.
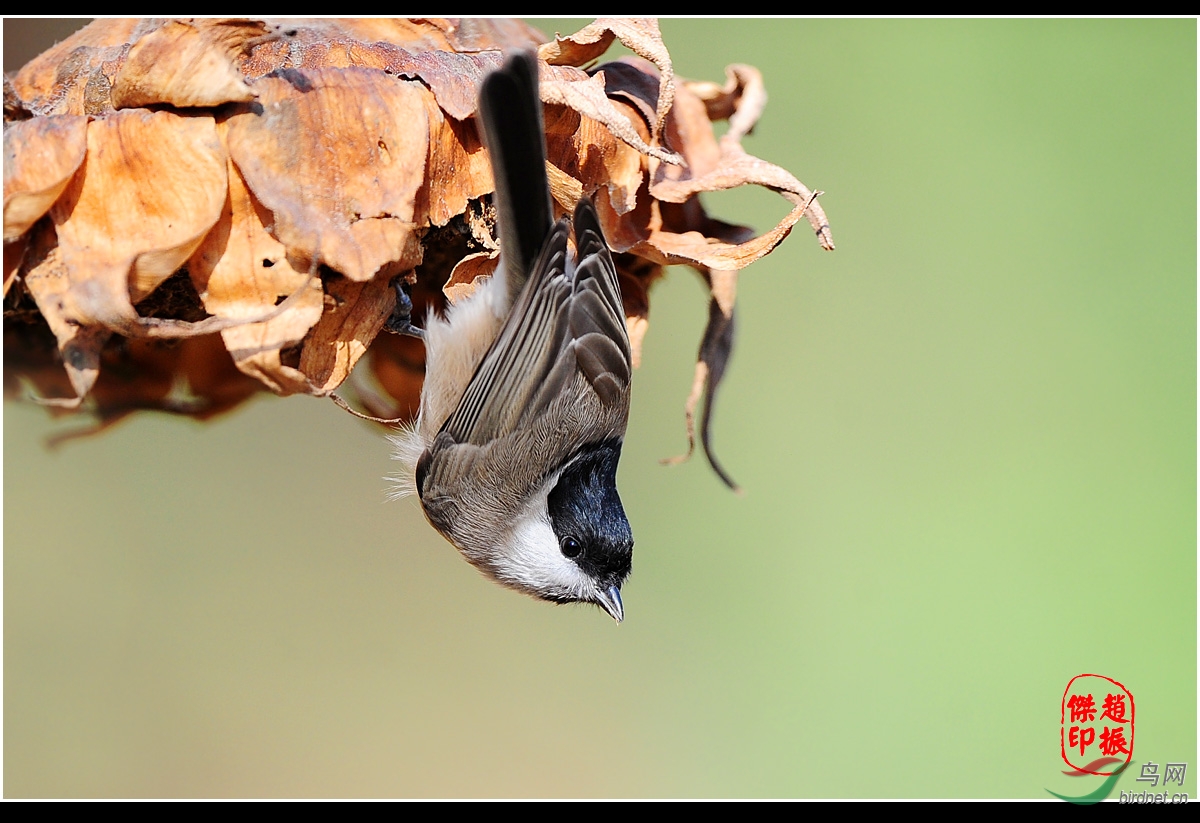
{"x":571,"y":547}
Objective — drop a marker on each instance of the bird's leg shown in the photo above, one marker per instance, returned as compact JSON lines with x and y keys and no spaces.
{"x":401,"y":320}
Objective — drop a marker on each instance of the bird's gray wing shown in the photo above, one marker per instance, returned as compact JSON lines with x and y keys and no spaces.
{"x":596,"y":320}
{"x":561,"y":326}
{"x":528,"y":342}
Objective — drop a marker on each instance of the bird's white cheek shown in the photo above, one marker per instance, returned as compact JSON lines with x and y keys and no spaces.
{"x":536,"y":562}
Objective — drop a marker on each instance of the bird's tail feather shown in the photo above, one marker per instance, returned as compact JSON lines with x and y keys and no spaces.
{"x":511,"y":111}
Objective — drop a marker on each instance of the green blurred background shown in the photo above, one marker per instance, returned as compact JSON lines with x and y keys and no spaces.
{"x":967,"y":439}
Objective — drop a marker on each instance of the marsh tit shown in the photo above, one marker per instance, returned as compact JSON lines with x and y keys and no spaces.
{"x":526,"y":397}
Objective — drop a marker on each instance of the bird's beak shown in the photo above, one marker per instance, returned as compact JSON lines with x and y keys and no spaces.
{"x":610,"y":600}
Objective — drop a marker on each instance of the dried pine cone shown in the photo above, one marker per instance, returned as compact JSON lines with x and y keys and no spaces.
{"x":199,"y":209}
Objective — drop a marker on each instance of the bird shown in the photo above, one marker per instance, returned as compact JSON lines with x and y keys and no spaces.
{"x":523,"y":412}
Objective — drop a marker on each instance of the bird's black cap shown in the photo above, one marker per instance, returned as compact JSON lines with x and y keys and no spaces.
{"x":587,"y":516}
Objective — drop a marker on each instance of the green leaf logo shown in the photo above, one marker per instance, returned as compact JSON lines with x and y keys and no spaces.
{"x":1100,"y":794}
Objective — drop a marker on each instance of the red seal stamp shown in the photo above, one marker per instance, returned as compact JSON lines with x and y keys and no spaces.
{"x":1097,"y":724}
